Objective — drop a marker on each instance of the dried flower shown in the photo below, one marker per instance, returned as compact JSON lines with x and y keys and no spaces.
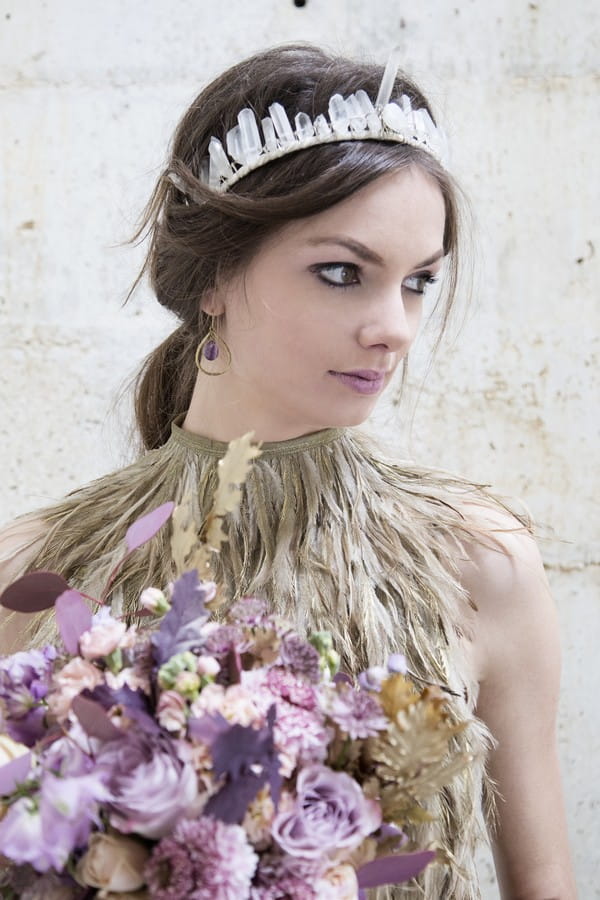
{"x":113,"y":862}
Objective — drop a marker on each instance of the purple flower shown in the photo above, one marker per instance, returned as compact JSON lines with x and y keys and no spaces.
{"x":301,"y":658}
{"x":24,"y":682}
{"x":330,"y":813}
{"x":203,"y":859}
{"x":150,"y":786}
{"x":45,"y":829}
{"x":357,"y":713}
{"x":372,"y":679}
{"x":222,"y":640}
{"x":250,"y":611}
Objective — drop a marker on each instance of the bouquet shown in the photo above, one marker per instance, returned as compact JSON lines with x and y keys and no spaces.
{"x":206,"y":756}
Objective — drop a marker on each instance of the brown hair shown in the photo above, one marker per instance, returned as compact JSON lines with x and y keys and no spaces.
{"x":199,"y":238}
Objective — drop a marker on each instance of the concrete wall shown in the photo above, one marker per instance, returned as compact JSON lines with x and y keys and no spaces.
{"x":89,"y":95}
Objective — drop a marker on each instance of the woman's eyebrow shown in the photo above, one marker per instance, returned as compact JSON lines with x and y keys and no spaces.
{"x":364,"y":252}
{"x":361,"y":250}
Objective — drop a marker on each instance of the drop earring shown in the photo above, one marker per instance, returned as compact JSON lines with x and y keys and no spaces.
{"x":210,"y":348}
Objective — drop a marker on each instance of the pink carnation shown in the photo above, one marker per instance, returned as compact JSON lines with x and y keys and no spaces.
{"x":204,"y":859}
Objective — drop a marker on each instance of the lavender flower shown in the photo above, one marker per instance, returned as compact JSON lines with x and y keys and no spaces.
{"x":301,"y":658}
{"x":150,"y":786}
{"x":250,"y":611}
{"x":24,"y":682}
{"x":222,"y":640}
{"x":330,"y":813}
{"x":203,"y":859}
{"x":357,"y":713}
{"x":43,"y":830}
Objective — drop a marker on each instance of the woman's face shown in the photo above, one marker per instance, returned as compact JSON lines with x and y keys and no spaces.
{"x":324,"y":313}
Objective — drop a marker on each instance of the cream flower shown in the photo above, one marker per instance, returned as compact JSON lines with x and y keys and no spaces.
{"x":113,"y":863}
{"x":234,"y":703}
{"x":339,"y":883}
{"x":10,"y":749}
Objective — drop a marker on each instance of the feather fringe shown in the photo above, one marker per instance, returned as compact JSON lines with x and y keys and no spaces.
{"x":337,"y":537}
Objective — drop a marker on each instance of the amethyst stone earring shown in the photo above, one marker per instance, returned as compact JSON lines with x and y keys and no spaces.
{"x":210,"y":348}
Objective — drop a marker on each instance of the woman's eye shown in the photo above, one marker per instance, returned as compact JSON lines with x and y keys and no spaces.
{"x":418,"y":284}
{"x":338,"y":274}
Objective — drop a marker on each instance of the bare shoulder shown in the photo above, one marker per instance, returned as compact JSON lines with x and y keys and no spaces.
{"x":19,"y":543}
{"x":516,"y":646}
{"x":504,"y":576}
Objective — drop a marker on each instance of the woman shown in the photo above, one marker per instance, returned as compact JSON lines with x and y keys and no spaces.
{"x":297,"y":259}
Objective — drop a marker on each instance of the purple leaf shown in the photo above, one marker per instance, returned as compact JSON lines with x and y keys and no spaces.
{"x":181,"y":628}
{"x":73,"y":617}
{"x":94,"y":720}
{"x":14,"y":773}
{"x":248,"y":757}
{"x":208,"y":728}
{"x":146,"y":527}
{"x":393,"y":869}
{"x":34,"y":592}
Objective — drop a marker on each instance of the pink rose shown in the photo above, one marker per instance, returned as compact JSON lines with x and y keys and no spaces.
{"x":104,"y":636}
{"x":73,"y":678}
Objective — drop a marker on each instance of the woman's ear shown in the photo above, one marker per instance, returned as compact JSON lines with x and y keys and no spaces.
{"x":213,"y":303}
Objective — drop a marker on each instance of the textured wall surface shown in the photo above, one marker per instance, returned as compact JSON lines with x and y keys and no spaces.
{"x":89,"y":95}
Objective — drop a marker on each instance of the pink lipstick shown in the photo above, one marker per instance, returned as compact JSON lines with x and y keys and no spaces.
{"x":363,"y":381}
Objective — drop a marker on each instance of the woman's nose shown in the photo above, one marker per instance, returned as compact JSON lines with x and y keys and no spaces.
{"x":392,"y":322}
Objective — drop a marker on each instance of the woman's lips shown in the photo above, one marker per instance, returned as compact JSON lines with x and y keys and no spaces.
{"x":362,"y":381}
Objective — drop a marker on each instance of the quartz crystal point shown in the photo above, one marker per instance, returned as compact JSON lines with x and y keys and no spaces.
{"x":269,"y":132}
{"x":234,"y":145}
{"x":358,"y":121}
{"x":304,"y":126}
{"x":389,"y":77}
{"x":322,"y":128}
{"x":395,"y":118}
{"x":250,"y":136}
{"x":282,"y":125}
{"x":219,"y":166}
{"x":339,"y":114}
{"x":368,"y":110}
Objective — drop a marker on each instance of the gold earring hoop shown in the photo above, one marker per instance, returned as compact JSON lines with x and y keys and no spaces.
{"x":210,"y":348}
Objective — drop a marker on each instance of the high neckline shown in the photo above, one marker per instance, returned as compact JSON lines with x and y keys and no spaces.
{"x":213,"y":447}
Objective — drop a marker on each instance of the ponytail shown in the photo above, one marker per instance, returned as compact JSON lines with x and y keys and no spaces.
{"x":164,"y":386}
